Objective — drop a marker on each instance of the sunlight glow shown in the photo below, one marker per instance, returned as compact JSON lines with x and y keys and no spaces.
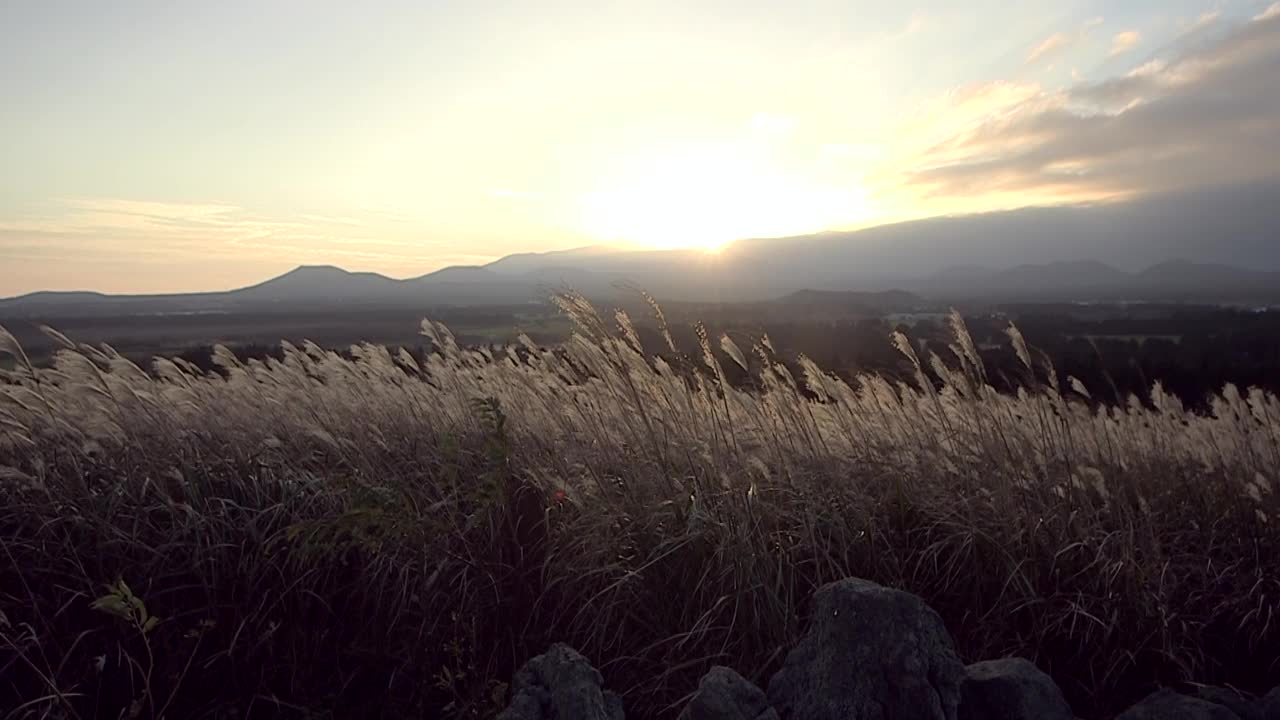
{"x":706,"y":196}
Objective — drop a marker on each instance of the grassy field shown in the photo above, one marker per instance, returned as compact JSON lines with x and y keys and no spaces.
{"x":332,"y":537}
{"x":143,"y":336}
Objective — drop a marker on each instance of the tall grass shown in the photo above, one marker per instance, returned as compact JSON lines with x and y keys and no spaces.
{"x":377,"y":533}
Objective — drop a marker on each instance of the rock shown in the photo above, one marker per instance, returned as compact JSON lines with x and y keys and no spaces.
{"x":613,"y":706}
{"x":1237,"y":703}
{"x":1267,"y":707}
{"x":1169,"y":705}
{"x":560,"y":685}
{"x":870,"y":653}
{"x":725,"y":695}
{"x":1010,"y":689}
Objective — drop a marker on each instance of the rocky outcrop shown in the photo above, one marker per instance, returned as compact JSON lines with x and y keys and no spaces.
{"x":725,"y":695}
{"x":560,"y":685}
{"x":870,"y":653}
{"x":1010,"y":689}
{"x":1169,"y":705}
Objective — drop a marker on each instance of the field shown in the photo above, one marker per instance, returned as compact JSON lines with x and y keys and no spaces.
{"x":393,"y":533}
{"x":143,"y":335}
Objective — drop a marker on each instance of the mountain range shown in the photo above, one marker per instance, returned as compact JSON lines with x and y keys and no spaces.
{"x":1215,"y":246}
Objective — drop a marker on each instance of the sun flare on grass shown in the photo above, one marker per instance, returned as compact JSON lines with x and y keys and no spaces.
{"x":706,"y":197}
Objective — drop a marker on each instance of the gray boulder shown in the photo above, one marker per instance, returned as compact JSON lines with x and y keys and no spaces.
{"x":560,"y":685}
{"x":1241,"y":705}
{"x":725,"y":695}
{"x":1169,"y":705}
{"x":870,"y":653}
{"x":1010,"y":689}
{"x":1268,"y":706}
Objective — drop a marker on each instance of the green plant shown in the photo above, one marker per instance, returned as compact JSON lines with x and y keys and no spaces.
{"x":120,"y":602}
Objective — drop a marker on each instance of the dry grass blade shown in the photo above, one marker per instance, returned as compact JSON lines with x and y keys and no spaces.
{"x":379,"y":531}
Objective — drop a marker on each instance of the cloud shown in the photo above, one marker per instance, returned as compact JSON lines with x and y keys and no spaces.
{"x":165,"y":231}
{"x":1060,"y":41}
{"x":1204,"y":20}
{"x":1204,"y":116}
{"x":1051,"y":44}
{"x":915,"y":23}
{"x":959,"y":109}
{"x":1124,"y":42}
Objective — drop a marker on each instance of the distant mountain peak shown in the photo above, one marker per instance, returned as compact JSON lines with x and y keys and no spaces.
{"x":458,"y":273}
{"x":302,"y":269}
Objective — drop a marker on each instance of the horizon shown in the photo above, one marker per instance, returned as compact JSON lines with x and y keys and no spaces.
{"x":608,"y":247}
{"x":726,"y":251}
{"x":1167,"y":263}
{"x":183,"y":148}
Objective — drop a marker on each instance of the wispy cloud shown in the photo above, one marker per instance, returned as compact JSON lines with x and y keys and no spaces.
{"x":1061,"y":41}
{"x":917,"y":22}
{"x":165,"y":230}
{"x":1202,"y":21}
{"x":1124,"y":42}
{"x":1051,"y":44}
{"x":332,"y":220}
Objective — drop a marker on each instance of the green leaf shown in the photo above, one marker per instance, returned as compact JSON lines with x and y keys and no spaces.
{"x":150,"y":624}
{"x":112,"y":605}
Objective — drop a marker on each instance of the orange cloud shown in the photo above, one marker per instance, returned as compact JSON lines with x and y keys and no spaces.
{"x":1060,"y":41}
{"x":1124,"y":42}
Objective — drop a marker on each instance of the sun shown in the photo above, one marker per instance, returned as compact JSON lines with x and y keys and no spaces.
{"x":706,"y":197}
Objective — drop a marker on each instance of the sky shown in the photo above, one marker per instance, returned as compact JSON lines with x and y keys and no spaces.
{"x":179,"y":146}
